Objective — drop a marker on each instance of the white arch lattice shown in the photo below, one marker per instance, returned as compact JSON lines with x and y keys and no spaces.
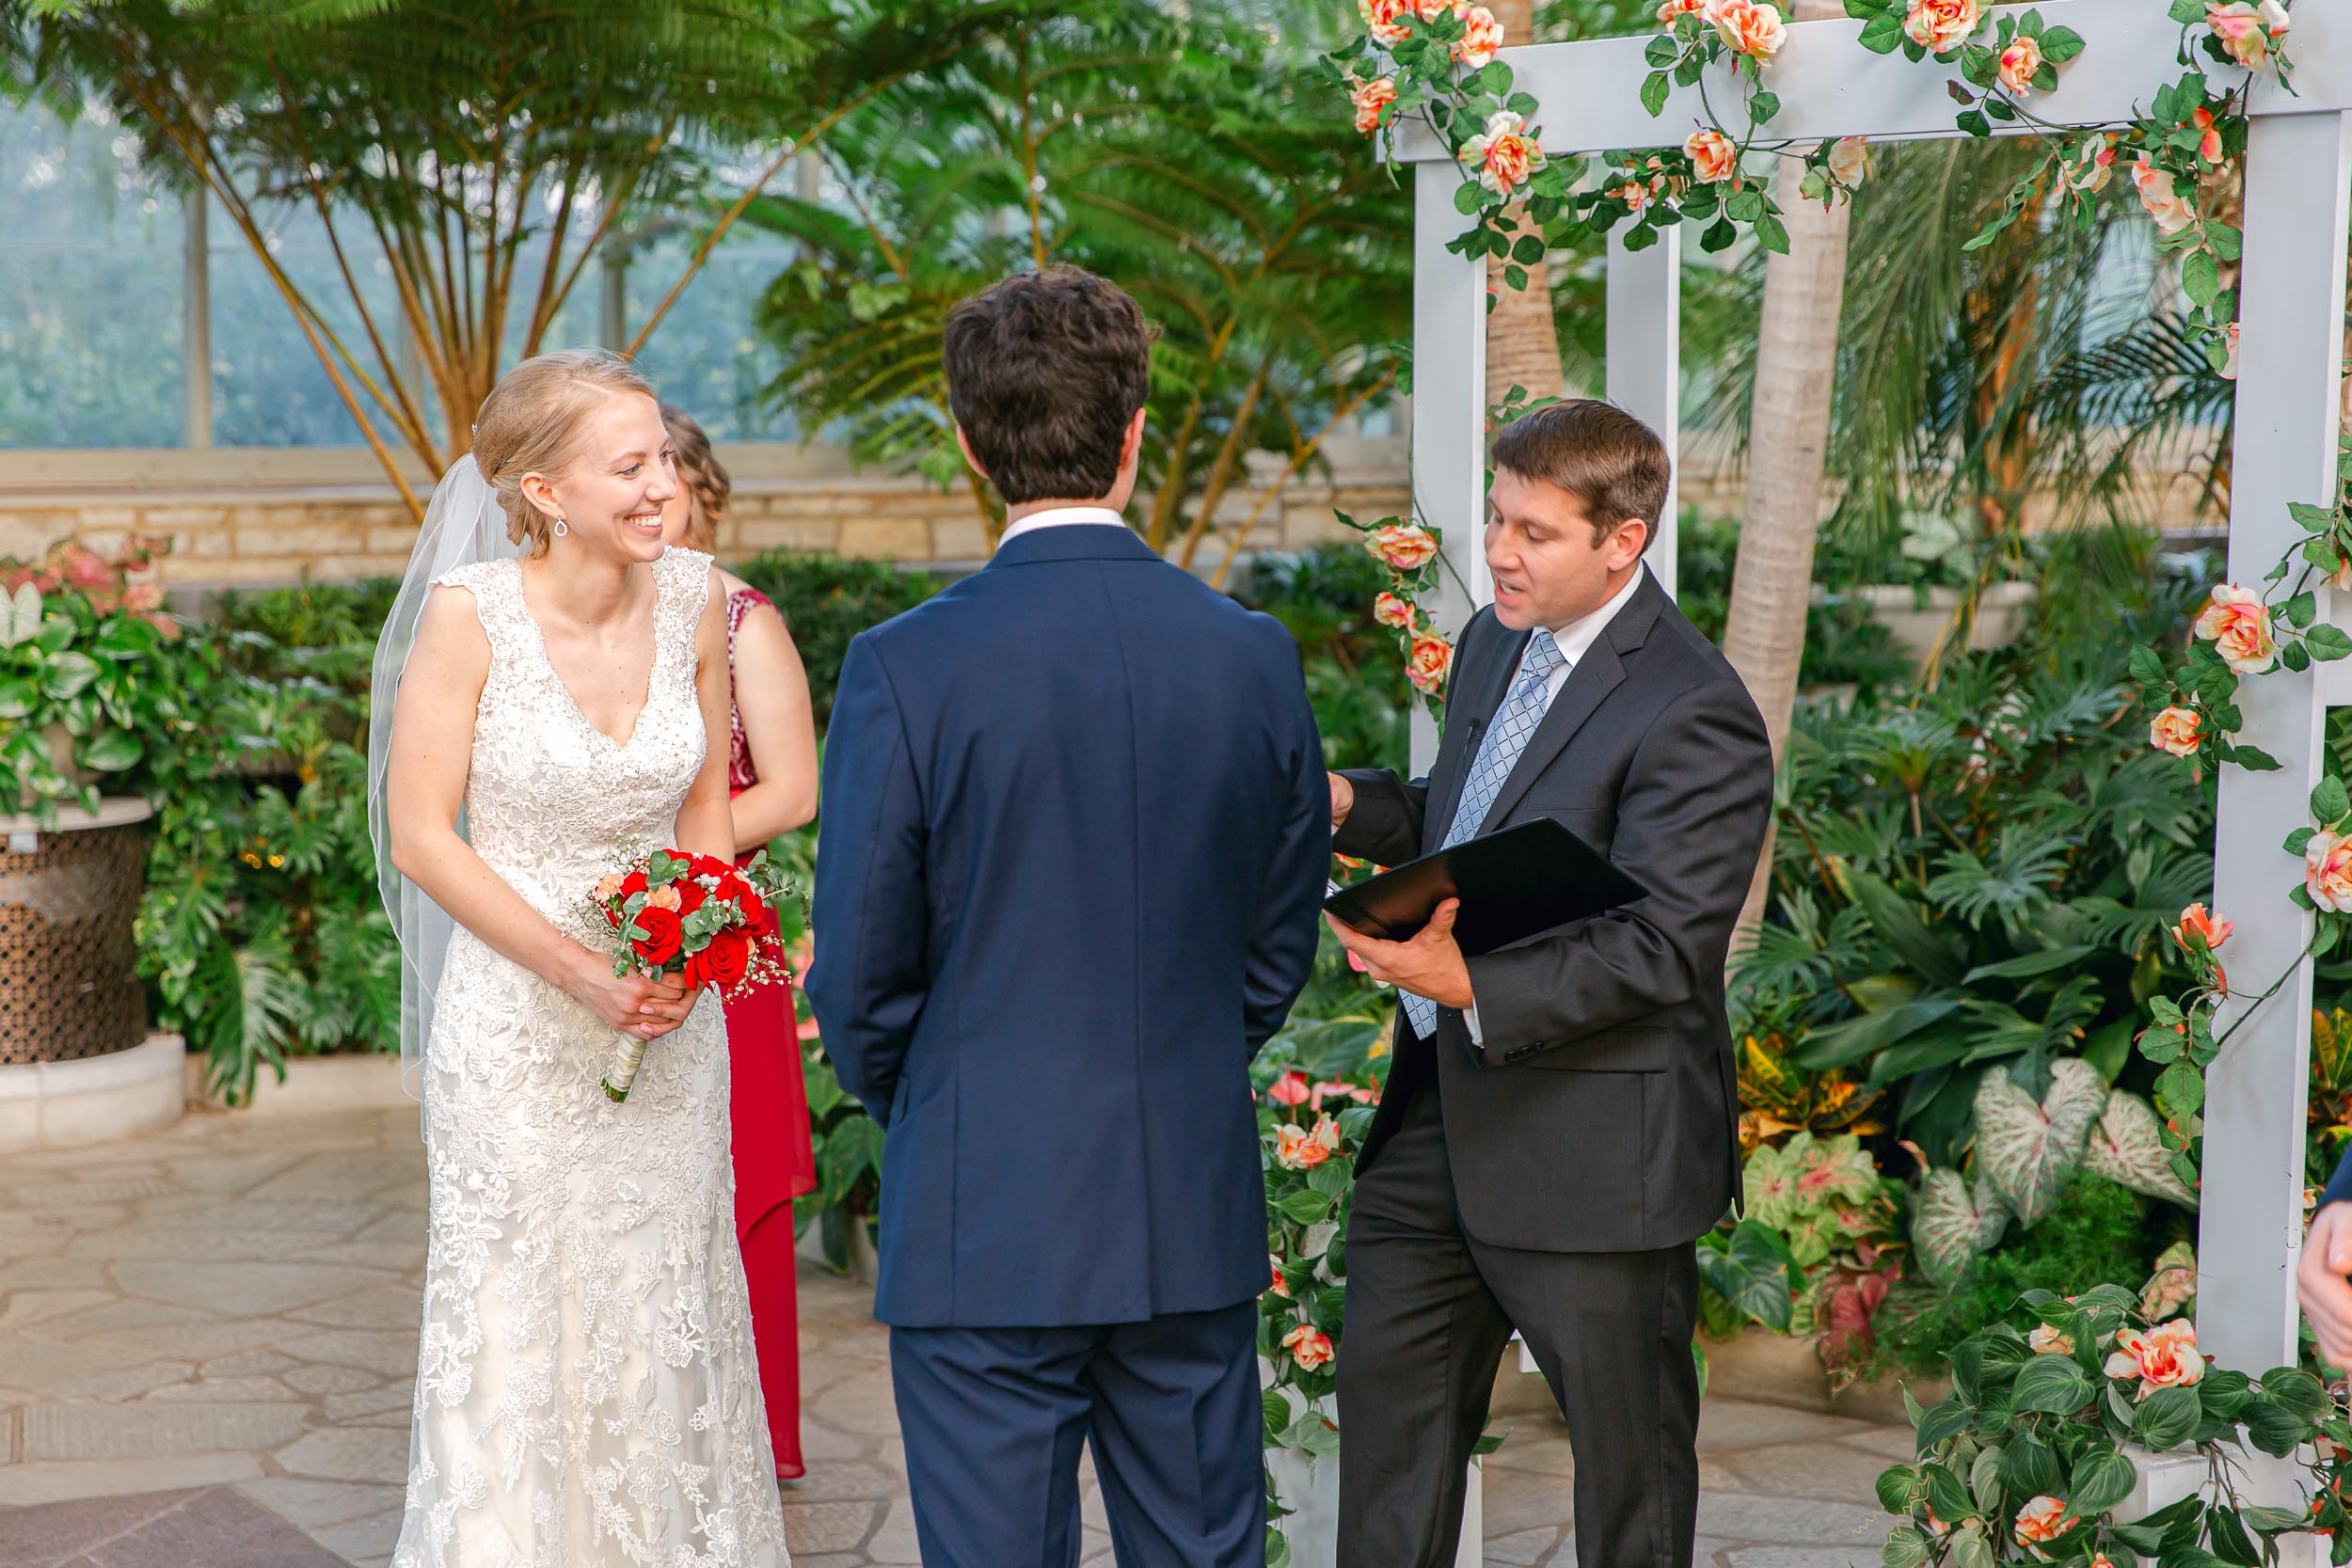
{"x":2298,"y":171}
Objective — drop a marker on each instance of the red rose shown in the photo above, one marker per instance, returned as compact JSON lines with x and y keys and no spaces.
{"x":727,"y":959}
{"x":696,"y":974}
{"x":633,"y":882}
{"x":658,"y":945}
{"x":712,"y":865}
{"x":761,"y":919}
{"x":690,"y":896}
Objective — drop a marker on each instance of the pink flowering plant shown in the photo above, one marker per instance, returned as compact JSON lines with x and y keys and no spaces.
{"x":2033,"y":1451}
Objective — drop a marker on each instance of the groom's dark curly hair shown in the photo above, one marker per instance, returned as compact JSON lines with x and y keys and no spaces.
{"x":1044,"y":369}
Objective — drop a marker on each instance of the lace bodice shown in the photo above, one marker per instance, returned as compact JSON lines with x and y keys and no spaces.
{"x":552,"y":802}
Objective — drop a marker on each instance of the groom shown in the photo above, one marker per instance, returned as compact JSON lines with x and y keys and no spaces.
{"x":1074,"y":833}
{"x":1560,"y":1123}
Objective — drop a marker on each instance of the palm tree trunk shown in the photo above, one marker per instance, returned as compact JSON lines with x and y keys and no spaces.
{"x":1523,"y":345}
{"x":1796,"y":363}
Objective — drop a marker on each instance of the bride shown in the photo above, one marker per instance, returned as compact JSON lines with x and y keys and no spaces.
{"x":586,"y":1390}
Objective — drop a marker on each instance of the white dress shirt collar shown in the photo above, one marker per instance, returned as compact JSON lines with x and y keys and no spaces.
{"x":1576,"y":638}
{"x":1056,"y":516}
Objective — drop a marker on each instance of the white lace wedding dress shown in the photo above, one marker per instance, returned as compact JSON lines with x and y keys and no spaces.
{"x":586,"y":1388}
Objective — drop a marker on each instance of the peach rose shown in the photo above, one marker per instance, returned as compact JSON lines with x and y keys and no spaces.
{"x":2341,"y":579}
{"x":2019,"y":61}
{"x":2229,"y":372}
{"x":2176,"y":730}
{"x":1404,"y":547}
{"x":2248,"y":32}
{"x":1296,"y":1149}
{"x":1385,"y":20}
{"x":1749,"y":28}
{"x":1390,"y":611}
{"x":2208,"y":929}
{"x":2209,"y":144}
{"x":1633,"y":194}
{"x":1501,"y":154}
{"x":1280,"y":1287}
{"x":1425,"y":663}
{"x":1289,"y":1089}
{"x":664,"y":897}
{"x":2042,"y":1519}
{"x":1939,"y":27}
{"x":2171,"y":210}
{"x":1429,"y":11}
{"x":1672,"y":8}
{"x":2237,"y":624}
{"x":2164,"y":1357}
{"x":1848,"y":161}
{"x":1481,"y":36}
{"x":1714,"y":156}
{"x":1309,"y":1346}
{"x":2094,"y":169}
{"x":2046,"y":1340}
{"x":1370,"y":98}
{"x":2327,"y":871}
{"x":608,"y":885}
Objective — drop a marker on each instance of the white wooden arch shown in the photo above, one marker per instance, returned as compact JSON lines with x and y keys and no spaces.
{"x":2299,"y":204}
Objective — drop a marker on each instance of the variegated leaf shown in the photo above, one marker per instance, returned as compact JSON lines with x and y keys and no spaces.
{"x":1951,"y":1228}
{"x":2028,"y":1150}
{"x":20,"y":615}
{"x":2127,"y":1147}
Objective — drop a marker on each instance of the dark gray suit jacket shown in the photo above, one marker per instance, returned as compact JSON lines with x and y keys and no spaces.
{"x":1602,"y":1113}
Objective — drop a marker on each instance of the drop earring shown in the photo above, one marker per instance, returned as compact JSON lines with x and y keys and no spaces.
{"x":562,"y":528}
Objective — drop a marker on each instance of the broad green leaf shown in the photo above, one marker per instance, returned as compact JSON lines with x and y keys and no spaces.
{"x":2026,"y":965}
{"x":2103,"y":1478}
{"x":2166,"y":1417}
{"x":1854,"y":1038}
{"x":1897,"y":923}
{"x":2027,"y":1467}
{"x":2053,"y":1384}
{"x":1752,"y":1273}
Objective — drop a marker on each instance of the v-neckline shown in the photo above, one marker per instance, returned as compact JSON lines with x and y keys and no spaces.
{"x":653,"y":665}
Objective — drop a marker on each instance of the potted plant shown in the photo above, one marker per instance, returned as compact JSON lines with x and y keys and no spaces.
{"x":87,"y":696}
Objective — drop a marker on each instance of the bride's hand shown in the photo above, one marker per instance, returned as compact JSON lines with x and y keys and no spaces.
{"x":630,"y":1002}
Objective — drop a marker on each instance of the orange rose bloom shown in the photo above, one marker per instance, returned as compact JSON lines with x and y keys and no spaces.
{"x":2164,"y":1357}
{"x":1426,"y":665}
{"x":1309,"y":1346}
{"x":2176,"y":730}
{"x":2237,"y":624}
{"x":1370,"y":98}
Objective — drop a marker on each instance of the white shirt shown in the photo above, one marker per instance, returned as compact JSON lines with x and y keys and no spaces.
{"x":1574,"y":640}
{"x":1058,"y":516}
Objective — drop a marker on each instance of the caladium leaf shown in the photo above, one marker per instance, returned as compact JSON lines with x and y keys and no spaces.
{"x":2029,"y":1151}
{"x":1953,"y":1228}
{"x":2127,"y":1147}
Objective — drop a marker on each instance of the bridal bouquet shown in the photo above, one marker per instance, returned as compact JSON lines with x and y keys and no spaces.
{"x":696,"y":921}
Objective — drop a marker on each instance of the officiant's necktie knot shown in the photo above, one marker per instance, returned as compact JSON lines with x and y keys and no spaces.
{"x":1498,"y":750}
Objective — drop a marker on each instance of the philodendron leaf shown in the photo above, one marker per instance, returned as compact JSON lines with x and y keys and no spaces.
{"x":2027,"y":1150}
{"x":1951,"y":1228}
{"x":2127,"y":1147}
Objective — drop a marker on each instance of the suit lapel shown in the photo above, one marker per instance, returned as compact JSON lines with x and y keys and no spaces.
{"x":1466,"y":718}
{"x":1596,"y":674}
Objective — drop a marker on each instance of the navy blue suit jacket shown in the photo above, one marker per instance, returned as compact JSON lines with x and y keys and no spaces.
{"x":1073,"y":838}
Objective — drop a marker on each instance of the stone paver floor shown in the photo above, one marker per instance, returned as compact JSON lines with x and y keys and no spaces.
{"x":210,"y":1335}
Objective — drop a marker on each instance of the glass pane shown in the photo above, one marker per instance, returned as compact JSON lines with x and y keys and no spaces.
{"x":268,"y":387}
{"x":91,"y":266}
{"x":708,"y":355}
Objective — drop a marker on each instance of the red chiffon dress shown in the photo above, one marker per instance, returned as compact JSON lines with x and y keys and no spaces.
{"x":773,"y":1161}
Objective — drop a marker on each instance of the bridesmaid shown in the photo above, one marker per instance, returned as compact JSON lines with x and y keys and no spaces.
{"x":772,"y":777}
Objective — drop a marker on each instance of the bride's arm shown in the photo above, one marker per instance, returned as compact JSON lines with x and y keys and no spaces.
{"x":431,"y":747}
{"x":704,"y":823}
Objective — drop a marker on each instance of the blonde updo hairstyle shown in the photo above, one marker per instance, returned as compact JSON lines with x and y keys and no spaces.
{"x":708,"y":484}
{"x":534,"y":422}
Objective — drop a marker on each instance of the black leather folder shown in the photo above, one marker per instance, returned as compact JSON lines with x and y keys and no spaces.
{"x":1513,"y":884}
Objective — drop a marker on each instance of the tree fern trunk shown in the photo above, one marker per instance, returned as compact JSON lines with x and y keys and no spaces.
{"x":1796,"y":363}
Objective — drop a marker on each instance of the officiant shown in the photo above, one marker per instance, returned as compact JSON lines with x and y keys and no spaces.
{"x":1561,"y":1122}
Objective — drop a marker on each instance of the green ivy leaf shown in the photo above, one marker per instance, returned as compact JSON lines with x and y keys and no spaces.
{"x":1763,"y":106}
{"x":2302,"y":610}
{"x":1719,"y":235}
{"x":2103,"y":1478}
{"x":1662,"y":50}
{"x":2189,"y":13}
{"x":2329,"y":802}
{"x":1771,"y":235}
{"x":1883,"y":34}
{"x":1654,"y":88}
{"x":2254,"y":760}
{"x":2027,"y":1465}
{"x":2328,"y":642}
{"x":2199,"y":276}
{"x":1468,"y":197}
{"x":2052,"y":1383}
{"x":1973,"y":122}
{"x":2148,"y":668}
{"x":2166,"y":1417}
{"x":2060,"y":44}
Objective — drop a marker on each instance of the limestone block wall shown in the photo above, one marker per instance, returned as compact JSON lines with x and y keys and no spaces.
{"x":250,"y":518}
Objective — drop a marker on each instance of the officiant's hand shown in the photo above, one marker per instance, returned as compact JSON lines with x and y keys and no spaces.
{"x":1428,"y":963}
{"x":1342,"y":799}
{"x":2320,"y":1282}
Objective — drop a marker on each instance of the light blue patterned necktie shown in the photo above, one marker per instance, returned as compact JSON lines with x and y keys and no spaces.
{"x":1498,"y":752}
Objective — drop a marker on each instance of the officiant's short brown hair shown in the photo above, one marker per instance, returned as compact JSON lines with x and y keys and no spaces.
{"x":1045,"y":371}
{"x":1598,"y":452}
